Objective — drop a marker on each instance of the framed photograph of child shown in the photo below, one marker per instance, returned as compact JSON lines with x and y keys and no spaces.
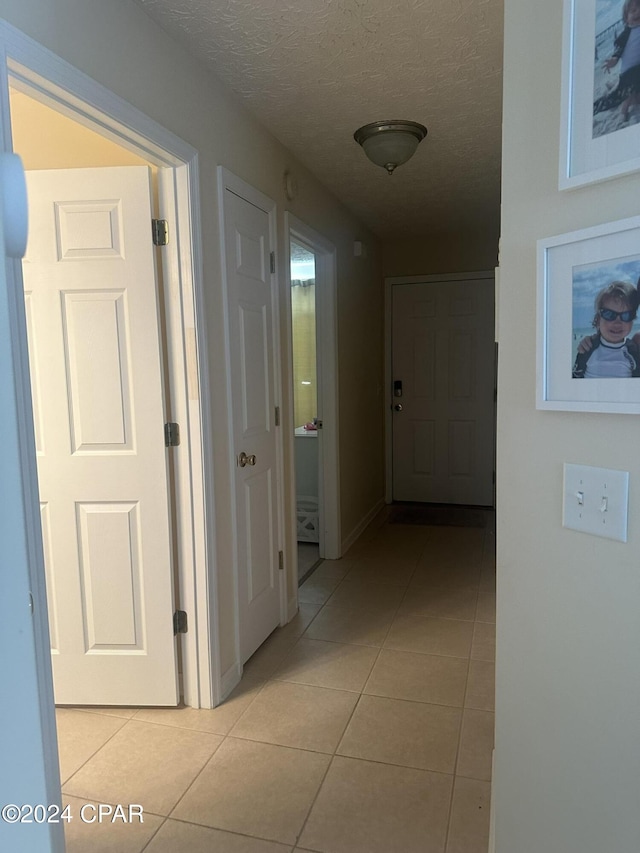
{"x":600,"y":126}
{"x":588,"y":320}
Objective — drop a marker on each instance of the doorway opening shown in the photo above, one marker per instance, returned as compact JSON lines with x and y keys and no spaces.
{"x":33,"y":84}
{"x":309,"y":519}
{"x":313,"y":384}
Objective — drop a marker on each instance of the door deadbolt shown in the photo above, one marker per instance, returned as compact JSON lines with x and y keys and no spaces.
{"x":244,"y":459}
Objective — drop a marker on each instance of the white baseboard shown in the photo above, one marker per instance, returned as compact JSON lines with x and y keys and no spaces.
{"x":362,"y":526}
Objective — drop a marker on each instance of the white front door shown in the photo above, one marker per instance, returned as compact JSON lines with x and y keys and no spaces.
{"x":443,"y":392}
{"x":250,"y":300}
{"x":94,"y":341}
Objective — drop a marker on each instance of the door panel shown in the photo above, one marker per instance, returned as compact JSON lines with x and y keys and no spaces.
{"x":94,"y":341}
{"x":251,"y":300}
{"x":443,"y":353}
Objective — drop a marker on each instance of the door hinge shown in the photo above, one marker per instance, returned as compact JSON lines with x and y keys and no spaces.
{"x":273,"y":261}
{"x":277,"y":415}
{"x":180,"y":622}
{"x":160,"y":232}
{"x":171,"y":435}
{"x":281,"y":561}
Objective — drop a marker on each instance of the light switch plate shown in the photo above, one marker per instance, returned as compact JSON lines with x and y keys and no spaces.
{"x":596,"y":501}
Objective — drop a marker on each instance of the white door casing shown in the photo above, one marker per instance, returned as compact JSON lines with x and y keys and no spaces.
{"x":92,"y":318}
{"x":443,"y":354}
{"x":251,"y":299}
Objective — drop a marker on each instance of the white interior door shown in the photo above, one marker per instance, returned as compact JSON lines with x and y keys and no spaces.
{"x":250,"y":299}
{"x":443,"y":392}
{"x":94,"y":341}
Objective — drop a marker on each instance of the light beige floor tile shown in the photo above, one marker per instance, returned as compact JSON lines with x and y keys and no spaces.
{"x":484,"y":642}
{"x":404,"y":545}
{"x":448,"y":576}
{"x":297,"y":715}
{"x":317,"y":590}
{"x":481,"y":685}
{"x":333,"y":569}
{"x":410,"y":734}
{"x":301,"y":621}
{"x":336,"y":665}
{"x":456,"y":538}
{"x":382,"y":570}
{"x":101,"y":835}
{"x":144,"y":763}
{"x":218,"y":720}
{"x":488,"y":573}
{"x":80,"y":735}
{"x":434,"y":679}
{"x":486,"y":611}
{"x":440,"y":602}
{"x":255,"y":789}
{"x":361,"y":627}
{"x":451,"y":552}
{"x":469,"y":822}
{"x":430,"y":636}
{"x":364,"y":807}
{"x":106,"y":710}
{"x":268,"y":657}
{"x":476,"y":745}
{"x":358,"y":594}
{"x":178,"y":837}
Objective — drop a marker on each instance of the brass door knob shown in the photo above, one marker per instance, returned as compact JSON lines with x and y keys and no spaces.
{"x":244,"y":459}
{"x":398,"y":407}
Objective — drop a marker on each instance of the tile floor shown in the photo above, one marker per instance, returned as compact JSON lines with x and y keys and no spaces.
{"x":364,"y":726}
{"x":308,"y":556}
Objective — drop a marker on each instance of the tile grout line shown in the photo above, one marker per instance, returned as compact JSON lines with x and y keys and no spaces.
{"x":93,"y":754}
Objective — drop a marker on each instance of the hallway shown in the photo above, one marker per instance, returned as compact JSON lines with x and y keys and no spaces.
{"x":364,"y":726}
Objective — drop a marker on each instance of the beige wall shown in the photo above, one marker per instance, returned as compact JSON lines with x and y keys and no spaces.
{"x":46,"y":139}
{"x":116,"y":44}
{"x":568,"y":659}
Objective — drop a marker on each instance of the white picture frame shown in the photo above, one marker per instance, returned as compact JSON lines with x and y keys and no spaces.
{"x":593,"y":147}
{"x":572,"y":269}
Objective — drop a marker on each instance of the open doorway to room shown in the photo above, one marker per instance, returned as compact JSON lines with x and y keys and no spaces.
{"x":313,"y":381}
{"x":305,"y":406}
{"x":83,"y":329}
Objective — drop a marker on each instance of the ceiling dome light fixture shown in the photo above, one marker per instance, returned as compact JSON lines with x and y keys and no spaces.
{"x":390,"y":143}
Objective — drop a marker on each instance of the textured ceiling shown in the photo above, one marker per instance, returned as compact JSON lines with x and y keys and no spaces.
{"x":313,"y":71}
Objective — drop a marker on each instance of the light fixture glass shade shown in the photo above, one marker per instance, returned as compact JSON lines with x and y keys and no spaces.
{"x":390,"y":143}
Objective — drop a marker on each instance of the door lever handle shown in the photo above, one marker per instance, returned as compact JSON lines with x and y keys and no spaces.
{"x":244,"y":459}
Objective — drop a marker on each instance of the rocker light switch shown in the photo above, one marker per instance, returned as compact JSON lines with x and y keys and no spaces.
{"x":596,"y":501}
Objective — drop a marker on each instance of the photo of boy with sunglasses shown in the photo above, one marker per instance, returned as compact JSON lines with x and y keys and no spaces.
{"x":610,"y":353}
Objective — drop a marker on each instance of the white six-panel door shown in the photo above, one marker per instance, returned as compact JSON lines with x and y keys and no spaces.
{"x":443,"y":424}
{"x":250,"y":299}
{"x":94,"y":343}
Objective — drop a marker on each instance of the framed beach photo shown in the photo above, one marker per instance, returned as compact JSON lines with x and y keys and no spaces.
{"x":588,"y":358}
{"x":600,"y":123}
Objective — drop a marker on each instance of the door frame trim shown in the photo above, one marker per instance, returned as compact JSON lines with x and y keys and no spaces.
{"x":326,"y":343}
{"x":389,"y":283}
{"x":72,"y":92}
{"x":229,"y":181}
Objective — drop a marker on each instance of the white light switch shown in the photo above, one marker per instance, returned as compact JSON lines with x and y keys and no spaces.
{"x":596,"y":501}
